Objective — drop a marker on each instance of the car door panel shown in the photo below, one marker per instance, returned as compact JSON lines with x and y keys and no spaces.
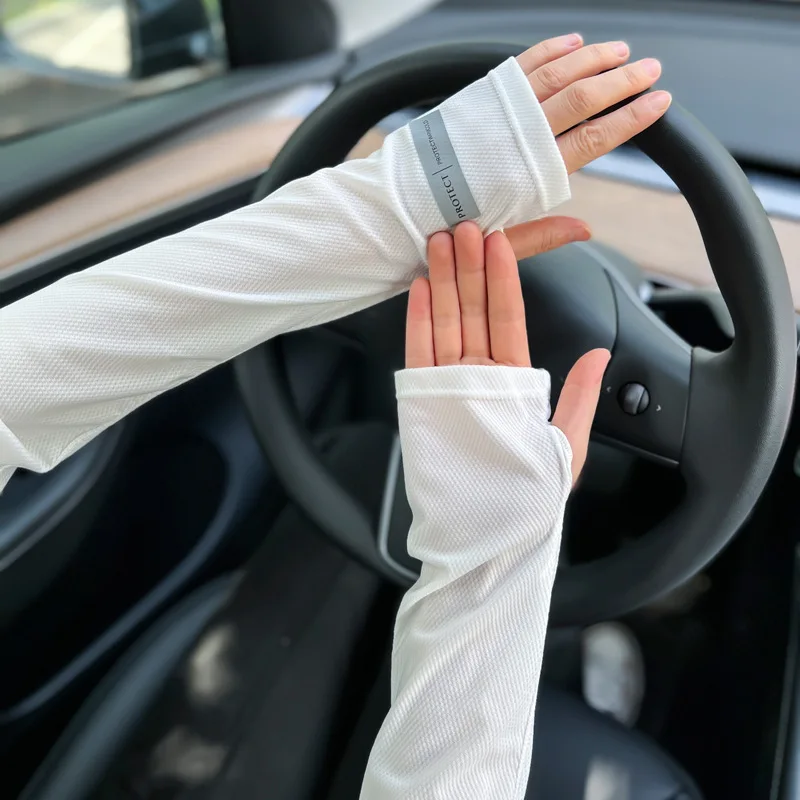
{"x":192,"y":498}
{"x":43,"y":519}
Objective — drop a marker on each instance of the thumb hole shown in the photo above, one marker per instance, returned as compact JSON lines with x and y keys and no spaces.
{"x":577,"y":404}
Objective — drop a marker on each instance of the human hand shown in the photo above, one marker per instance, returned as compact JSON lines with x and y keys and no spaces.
{"x":574,"y":83}
{"x":471,"y":311}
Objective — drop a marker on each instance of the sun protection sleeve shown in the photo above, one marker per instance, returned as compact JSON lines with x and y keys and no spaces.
{"x":84,"y":352}
{"x":487,"y":478}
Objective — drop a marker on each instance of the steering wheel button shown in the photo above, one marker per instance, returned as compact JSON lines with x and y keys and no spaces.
{"x":634,"y":398}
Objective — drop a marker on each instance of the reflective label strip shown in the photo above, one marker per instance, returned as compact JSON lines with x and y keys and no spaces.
{"x":441,"y":167}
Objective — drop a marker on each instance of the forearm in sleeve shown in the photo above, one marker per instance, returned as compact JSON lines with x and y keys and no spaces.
{"x":487,"y":478}
{"x":79,"y":355}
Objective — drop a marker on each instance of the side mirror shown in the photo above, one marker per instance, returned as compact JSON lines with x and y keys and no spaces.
{"x":118,"y":40}
{"x":166,"y":35}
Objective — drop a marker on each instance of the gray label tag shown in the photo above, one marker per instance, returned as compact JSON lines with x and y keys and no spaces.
{"x":439,"y":161}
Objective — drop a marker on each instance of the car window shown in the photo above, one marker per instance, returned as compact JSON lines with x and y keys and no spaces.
{"x":65,"y":59}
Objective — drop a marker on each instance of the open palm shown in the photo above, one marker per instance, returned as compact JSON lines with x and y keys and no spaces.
{"x":471,"y":311}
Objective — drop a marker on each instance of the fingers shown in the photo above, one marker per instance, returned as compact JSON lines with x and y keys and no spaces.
{"x":550,"y":78}
{"x":532,"y":238}
{"x":472,"y":309}
{"x":597,"y":137}
{"x":578,"y":402}
{"x":471,"y":280}
{"x":419,"y":326}
{"x":547,"y":51}
{"x":575,"y":83}
{"x":507,"y":329}
{"x":590,"y":96}
{"x":444,"y":299}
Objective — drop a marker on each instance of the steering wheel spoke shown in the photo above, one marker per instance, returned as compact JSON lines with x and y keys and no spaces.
{"x":380,"y":329}
{"x":576,"y":300}
{"x":645,"y":394}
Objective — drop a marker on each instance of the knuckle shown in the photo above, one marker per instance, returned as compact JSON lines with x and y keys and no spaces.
{"x":600,"y":52}
{"x":633,"y":76}
{"x":551,"y":78}
{"x":547,"y":47}
{"x":546,"y":240}
{"x":579,"y":99}
{"x":552,"y":236}
{"x":551,"y":240}
{"x":447,"y":317}
{"x":636,"y":116}
{"x":545,"y":50}
{"x":590,"y":140}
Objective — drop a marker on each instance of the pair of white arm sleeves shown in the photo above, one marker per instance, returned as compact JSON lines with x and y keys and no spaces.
{"x":487,"y":475}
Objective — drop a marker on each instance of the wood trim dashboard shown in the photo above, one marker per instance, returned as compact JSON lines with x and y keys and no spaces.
{"x":657,"y":230}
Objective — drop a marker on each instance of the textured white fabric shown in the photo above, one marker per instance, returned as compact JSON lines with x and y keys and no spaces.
{"x":487,"y":477}
{"x":79,"y":355}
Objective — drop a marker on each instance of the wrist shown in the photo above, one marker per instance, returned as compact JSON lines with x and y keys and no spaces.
{"x":529,"y":386}
{"x":466,"y":428}
{"x":487,"y":153}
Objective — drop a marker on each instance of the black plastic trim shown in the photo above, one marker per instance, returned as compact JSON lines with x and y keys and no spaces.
{"x":786,"y":767}
{"x":246,"y":477}
{"x":55,"y":494}
{"x":646,"y":351}
{"x":43,"y":525}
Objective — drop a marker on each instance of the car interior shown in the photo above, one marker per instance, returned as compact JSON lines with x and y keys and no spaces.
{"x":200,"y":602}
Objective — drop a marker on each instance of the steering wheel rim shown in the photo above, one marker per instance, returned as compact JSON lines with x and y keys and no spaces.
{"x":738,"y":402}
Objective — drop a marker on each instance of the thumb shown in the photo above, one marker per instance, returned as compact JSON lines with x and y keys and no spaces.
{"x":532,"y":238}
{"x":578,"y":403}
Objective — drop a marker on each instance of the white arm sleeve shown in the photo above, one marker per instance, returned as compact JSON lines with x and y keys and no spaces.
{"x":84,"y":352}
{"x":487,"y":478}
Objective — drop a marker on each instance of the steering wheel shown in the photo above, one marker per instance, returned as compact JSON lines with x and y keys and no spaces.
{"x":719,"y":418}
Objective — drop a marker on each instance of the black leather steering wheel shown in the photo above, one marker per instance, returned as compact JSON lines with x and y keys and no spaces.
{"x":720,"y":418}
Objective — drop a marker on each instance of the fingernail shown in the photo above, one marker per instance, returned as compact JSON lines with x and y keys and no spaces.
{"x":600,"y":365}
{"x":621,"y":49}
{"x":443,"y":237}
{"x":659,"y":101}
{"x":582,"y":233}
{"x":652,"y":67}
{"x":573,"y":40}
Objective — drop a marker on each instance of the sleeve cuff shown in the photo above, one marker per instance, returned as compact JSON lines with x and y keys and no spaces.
{"x":503,"y":166}
{"x":477,"y":382}
{"x":537,"y":145}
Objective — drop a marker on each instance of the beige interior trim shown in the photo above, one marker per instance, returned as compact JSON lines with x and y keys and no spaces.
{"x":654,"y":228}
{"x":149,"y":186}
{"x":657,"y":230}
